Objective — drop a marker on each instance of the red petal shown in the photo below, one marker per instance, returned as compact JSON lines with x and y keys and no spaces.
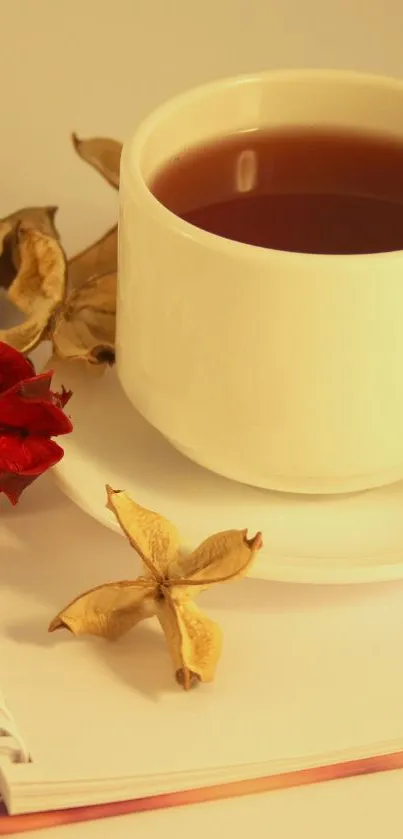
{"x":36,"y":387}
{"x":13,"y":485}
{"x":32,"y":416}
{"x":29,"y":456}
{"x":13,"y":367}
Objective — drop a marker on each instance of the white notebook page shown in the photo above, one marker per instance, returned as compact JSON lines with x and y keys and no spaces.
{"x":304,"y":670}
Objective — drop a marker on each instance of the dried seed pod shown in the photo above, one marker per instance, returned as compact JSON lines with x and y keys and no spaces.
{"x":165,"y":590}
{"x":33,"y":271}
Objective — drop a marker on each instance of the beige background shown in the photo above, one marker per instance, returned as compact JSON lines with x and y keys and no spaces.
{"x":97,"y":66}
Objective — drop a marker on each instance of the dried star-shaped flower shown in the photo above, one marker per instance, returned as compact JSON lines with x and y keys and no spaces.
{"x":166,"y":589}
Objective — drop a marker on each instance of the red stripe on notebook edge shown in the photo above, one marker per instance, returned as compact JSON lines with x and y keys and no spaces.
{"x":10,"y":825}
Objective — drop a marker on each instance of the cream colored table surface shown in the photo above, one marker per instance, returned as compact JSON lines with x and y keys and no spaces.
{"x":96,"y":67}
{"x":356,"y":808}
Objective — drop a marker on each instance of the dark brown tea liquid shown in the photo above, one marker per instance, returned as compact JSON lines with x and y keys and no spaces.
{"x":302,"y":190}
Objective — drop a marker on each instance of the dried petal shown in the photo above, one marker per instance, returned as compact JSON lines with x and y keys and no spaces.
{"x":7,"y":270}
{"x":100,"y":258}
{"x":154,"y":538}
{"x":27,"y":335}
{"x":194,"y":641}
{"x":36,"y":387}
{"x":29,"y":455}
{"x":38,"y":218}
{"x":103,"y":154}
{"x":42,"y":272}
{"x":84,"y":327}
{"x":37,"y":289}
{"x":186,"y":679}
{"x":13,"y":367}
{"x":5,"y":229}
{"x":110,"y":610}
{"x":221,"y":557}
{"x":13,"y":485}
{"x":37,"y":416}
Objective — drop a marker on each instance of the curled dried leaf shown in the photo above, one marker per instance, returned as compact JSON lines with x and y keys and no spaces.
{"x":35,"y":218}
{"x":84,"y":327}
{"x":103,"y":154}
{"x":96,"y":260}
{"x":38,"y":288}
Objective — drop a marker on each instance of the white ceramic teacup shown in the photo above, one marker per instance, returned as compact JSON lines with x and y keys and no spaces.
{"x":277,"y":369}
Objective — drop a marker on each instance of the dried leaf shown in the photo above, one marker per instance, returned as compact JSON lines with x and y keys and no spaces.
{"x":109,"y":610}
{"x":84,"y":327}
{"x":194,"y":641}
{"x":36,"y":218}
{"x":103,"y":154}
{"x":154,"y":538}
{"x":100,"y":258}
{"x":38,"y":288}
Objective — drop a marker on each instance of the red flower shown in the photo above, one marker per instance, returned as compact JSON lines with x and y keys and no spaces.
{"x":30,"y":414}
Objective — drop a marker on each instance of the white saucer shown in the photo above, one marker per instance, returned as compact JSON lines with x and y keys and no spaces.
{"x":355,"y":538}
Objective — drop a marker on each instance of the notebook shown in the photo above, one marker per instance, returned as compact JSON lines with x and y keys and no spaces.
{"x":309,"y":677}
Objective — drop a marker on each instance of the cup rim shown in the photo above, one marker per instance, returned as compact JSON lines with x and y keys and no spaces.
{"x":131,"y":174}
